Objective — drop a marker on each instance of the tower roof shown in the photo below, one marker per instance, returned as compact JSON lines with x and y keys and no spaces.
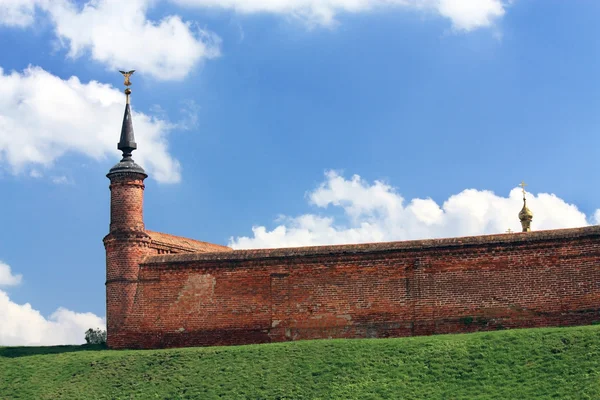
{"x":127,"y":142}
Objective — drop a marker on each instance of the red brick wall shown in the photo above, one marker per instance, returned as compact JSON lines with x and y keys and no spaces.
{"x":126,"y":201}
{"x":126,"y":246}
{"x":546,"y":278}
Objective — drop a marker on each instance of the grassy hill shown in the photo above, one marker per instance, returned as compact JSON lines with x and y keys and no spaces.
{"x":562,"y":363}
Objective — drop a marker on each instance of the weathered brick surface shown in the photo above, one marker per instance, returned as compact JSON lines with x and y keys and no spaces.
{"x":548,"y":278}
{"x":127,"y":244}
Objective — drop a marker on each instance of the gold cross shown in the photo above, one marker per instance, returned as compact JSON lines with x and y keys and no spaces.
{"x":509,"y":231}
{"x":523,"y":184}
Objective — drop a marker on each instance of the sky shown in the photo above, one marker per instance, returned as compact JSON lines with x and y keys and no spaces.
{"x":280,"y":123}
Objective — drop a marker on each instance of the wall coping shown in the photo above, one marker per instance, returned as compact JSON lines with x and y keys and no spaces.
{"x":382,"y":247}
{"x":185,"y":244}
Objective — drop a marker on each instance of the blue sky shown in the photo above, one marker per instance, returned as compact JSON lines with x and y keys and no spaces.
{"x":268,"y":124}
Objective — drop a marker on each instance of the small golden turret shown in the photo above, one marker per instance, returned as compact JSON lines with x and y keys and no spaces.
{"x":525,"y":215}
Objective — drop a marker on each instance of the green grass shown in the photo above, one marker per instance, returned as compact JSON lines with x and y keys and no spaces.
{"x":561,"y":363}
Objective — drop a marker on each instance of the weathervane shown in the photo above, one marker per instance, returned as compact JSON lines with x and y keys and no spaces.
{"x":127,"y":82}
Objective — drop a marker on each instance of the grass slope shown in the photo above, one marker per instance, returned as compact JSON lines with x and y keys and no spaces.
{"x":559,"y":363}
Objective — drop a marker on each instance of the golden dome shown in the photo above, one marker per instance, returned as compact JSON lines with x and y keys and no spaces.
{"x":525,"y":212}
{"x":525,"y":215}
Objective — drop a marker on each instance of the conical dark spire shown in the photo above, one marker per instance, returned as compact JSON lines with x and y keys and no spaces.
{"x":127,"y":143}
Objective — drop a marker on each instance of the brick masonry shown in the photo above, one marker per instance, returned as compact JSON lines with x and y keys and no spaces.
{"x":546,"y":278}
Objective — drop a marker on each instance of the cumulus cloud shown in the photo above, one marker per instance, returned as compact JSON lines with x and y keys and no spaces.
{"x":21,"y":325}
{"x":43,"y":117}
{"x":18,"y":13}
{"x":596,"y":217}
{"x":468,"y":15}
{"x":6,"y":276}
{"x":375,"y":212}
{"x":119,"y":34}
{"x":98,"y":17}
{"x":465,"y":15}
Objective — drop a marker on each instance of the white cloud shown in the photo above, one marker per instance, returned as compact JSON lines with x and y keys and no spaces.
{"x":60,"y":180}
{"x":596,"y":217}
{"x":21,"y":325}
{"x":43,"y":117}
{"x":6,"y":276}
{"x":375,"y":212}
{"x":18,"y":13}
{"x":471,"y":14}
{"x":119,"y":34}
{"x":465,"y":15}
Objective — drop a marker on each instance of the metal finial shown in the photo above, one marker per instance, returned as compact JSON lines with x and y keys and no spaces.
{"x":127,"y":143}
{"x":127,"y":82}
{"x":523,"y":184}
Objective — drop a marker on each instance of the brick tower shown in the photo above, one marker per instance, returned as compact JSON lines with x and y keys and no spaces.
{"x":127,"y":242}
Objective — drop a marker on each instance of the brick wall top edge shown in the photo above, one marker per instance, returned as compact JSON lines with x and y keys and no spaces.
{"x":182,"y":243}
{"x":349,"y":249}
